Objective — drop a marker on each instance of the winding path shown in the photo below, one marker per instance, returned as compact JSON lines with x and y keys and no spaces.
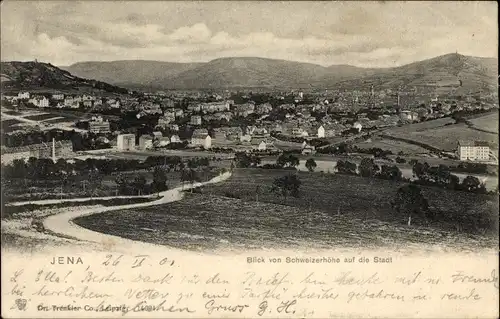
{"x":63,"y":225}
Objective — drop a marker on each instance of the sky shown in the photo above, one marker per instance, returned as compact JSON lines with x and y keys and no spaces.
{"x":366,"y":34}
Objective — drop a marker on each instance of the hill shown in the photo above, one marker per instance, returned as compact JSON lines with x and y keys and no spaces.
{"x":37,"y":75}
{"x":133,"y":73}
{"x":447,"y":72}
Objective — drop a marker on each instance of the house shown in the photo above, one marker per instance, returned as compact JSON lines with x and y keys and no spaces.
{"x":219,"y":135}
{"x":264,"y":108}
{"x":71,"y":102}
{"x":39,"y":101}
{"x":157,"y":135}
{"x":88,"y":103}
{"x":58,"y":96}
{"x":409,"y":116}
{"x":201,"y":138}
{"x":263,"y":144}
{"x":161,"y":142}
{"x":321,"y":132}
{"x":195,"y":120}
{"x":175,"y":139}
{"x":473,"y":151}
{"x":166,"y":119}
{"x":98,"y":125}
{"x":244,"y":109}
{"x":145,"y":142}
{"x":357,"y":126}
{"x":125,"y":142}
{"x":23,"y":95}
{"x":113,"y":103}
{"x":214,"y":107}
{"x":232,"y":133}
{"x":299,"y":131}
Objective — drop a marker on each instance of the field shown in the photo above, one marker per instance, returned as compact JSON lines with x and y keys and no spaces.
{"x":487,"y":123}
{"x":441,"y":134}
{"x":40,"y":117}
{"x":391,"y":145}
{"x":341,"y":211}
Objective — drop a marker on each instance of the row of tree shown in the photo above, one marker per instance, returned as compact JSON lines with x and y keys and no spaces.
{"x":44,"y":168}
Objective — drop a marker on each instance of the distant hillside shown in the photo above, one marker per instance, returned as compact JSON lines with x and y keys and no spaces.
{"x":36,"y":75}
{"x":133,"y":73}
{"x":451,"y":71}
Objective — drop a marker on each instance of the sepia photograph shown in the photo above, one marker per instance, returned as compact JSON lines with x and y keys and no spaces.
{"x":246,"y":135}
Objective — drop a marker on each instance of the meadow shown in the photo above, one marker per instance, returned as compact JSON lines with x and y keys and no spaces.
{"x":40,"y":117}
{"x":441,"y":134}
{"x":332,"y":211}
{"x":487,"y":122}
{"x":392,"y":145}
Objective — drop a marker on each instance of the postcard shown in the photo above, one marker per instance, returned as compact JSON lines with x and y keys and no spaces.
{"x":249,"y":159}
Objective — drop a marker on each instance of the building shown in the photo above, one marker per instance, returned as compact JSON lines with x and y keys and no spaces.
{"x":126,"y":142}
{"x":201,"y":138}
{"x":175,"y":139}
{"x":321,"y":132}
{"x":161,"y":142}
{"x":308,"y":149}
{"x":157,"y":135}
{"x":145,"y":142}
{"x":39,"y":101}
{"x":98,"y":125}
{"x":58,"y":96}
{"x":409,"y":116}
{"x":53,"y":150}
{"x":23,"y":95}
{"x":195,"y":120}
{"x":473,"y":151}
{"x":357,"y":126}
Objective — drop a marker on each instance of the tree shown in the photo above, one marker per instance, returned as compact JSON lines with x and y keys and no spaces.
{"x":368,"y":168}
{"x":245,"y":160}
{"x":287,"y":160}
{"x":189,"y":175}
{"x":392,"y":173}
{"x":159,"y":179}
{"x":421,"y":170}
{"x":471,"y":184}
{"x":311,"y":164}
{"x":139,"y":184}
{"x":346,"y":167}
{"x":286,"y":186}
{"x":411,"y":202}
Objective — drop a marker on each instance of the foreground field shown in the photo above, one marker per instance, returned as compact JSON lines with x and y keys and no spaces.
{"x":201,"y":222}
{"x":345,"y":211}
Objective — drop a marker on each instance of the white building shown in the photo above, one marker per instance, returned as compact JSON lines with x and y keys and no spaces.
{"x":126,"y":142}
{"x":39,"y":101}
{"x":357,"y":126}
{"x":23,"y":95}
{"x":200,"y":137}
{"x":321,"y":131}
{"x":473,"y":151}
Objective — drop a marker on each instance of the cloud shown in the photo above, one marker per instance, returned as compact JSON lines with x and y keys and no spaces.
{"x":370,"y":34}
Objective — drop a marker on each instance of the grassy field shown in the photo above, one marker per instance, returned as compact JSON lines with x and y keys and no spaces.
{"x":488,"y":122}
{"x":340,"y":211}
{"x":439,"y":134}
{"x":40,"y":117}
